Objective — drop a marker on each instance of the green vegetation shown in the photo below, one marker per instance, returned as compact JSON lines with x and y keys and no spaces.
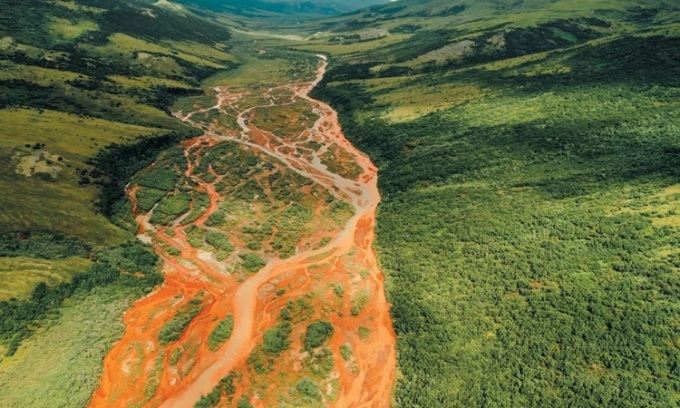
{"x":225,"y":389}
{"x":244,"y":402}
{"x":276,"y":339}
{"x":170,"y":208}
{"x":157,"y":189}
{"x":346,"y":352}
{"x":364,"y":332}
{"x":51,"y":175}
{"x":252,"y":262}
{"x":320,"y":362}
{"x":172,"y":251}
{"x":359,"y":302}
{"x":91,"y":86}
{"x":221,"y":333}
{"x":285,"y":121}
{"x":130,"y":257}
{"x":278,"y":10}
{"x":221,"y":242}
{"x":195,"y":235}
{"x":297,"y":311}
{"x":19,"y":318}
{"x":173,"y":329}
{"x":84,"y":94}
{"x":309,"y":390}
{"x":275,"y":67}
{"x":200,"y":203}
{"x":92,"y":318}
{"x":215,"y":219}
{"x":264,"y":203}
{"x":161,"y":178}
{"x":339,"y":290}
{"x":532,"y":261}
{"x":175,"y":356}
{"x":147,"y":198}
{"x":19,"y":275}
{"x":41,"y":244}
{"x":120,"y":162}
{"x":318,"y":333}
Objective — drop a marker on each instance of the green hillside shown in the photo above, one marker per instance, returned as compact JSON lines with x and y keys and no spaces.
{"x":529,"y":159}
{"x":84,"y":93}
{"x":79,"y":77}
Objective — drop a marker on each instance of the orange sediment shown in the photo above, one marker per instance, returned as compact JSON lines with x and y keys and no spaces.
{"x":138,"y":370}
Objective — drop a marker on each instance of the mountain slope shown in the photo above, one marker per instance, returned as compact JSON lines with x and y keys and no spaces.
{"x":121,"y":65}
{"x":529,"y":173}
{"x":84,"y":93}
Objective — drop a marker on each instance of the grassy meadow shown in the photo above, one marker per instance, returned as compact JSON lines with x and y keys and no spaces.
{"x":19,"y":275}
{"x":61,"y":365}
{"x":48,"y":154}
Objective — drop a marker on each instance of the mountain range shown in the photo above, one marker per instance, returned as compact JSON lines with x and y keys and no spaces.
{"x":292,"y":8}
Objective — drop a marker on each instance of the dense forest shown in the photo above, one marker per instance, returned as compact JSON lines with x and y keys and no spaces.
{"x":529,"y":226}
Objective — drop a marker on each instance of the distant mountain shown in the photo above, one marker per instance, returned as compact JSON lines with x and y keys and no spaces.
{"x":297,"y":7}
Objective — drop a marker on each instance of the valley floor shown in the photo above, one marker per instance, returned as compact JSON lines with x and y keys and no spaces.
{"x":272,"y":291}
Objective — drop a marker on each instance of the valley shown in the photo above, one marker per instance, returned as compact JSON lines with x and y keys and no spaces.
{"x":280,"y":203}
{"x":269,"y":225}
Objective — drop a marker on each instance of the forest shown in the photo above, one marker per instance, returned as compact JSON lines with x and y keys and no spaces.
{"x":533,"y":261}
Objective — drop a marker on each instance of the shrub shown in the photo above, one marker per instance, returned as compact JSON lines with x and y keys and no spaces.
{"x":252,"y":262}
{"x":318,"y":333}
{"x":219,"y":241}
{"x":221,"y":333}
{"x":173,"y":329}
{"x":276,"y":339}
{"x":309,"y":389}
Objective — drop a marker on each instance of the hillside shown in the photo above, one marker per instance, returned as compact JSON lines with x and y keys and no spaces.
{"x":529,"y":174}
{"x":97,"y":75}
{"x":84,"y":94}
